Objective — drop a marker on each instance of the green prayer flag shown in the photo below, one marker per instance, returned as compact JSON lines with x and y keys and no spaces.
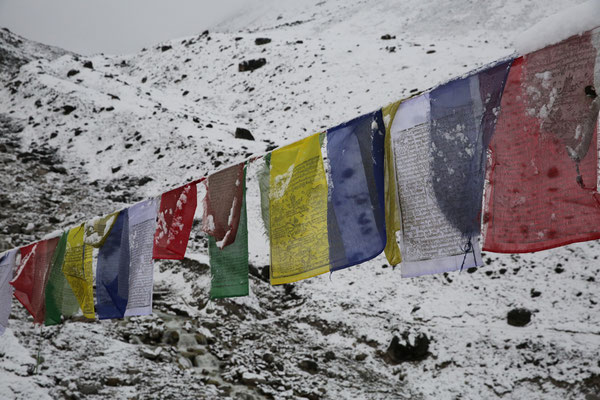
{"x":229,"y":266}
{"x":60,"y":299}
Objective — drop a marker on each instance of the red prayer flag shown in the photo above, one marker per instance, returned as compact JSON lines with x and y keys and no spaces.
{"x":32,"y":275}
{"x":175,"y":220}
{"x":542,"y":187}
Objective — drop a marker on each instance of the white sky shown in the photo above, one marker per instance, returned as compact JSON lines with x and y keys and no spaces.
{"x":112,"y":26}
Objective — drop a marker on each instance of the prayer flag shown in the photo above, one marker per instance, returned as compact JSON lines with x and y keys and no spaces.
{"x":60,"y":299}
{"x":543,"y":173}
{"x":298,"y":212}
{"x":440,"y":140}
{"x":142,"y":227}
{"x":356,"y":198}
{"x":112,"y":271}
{"x":7,"y":269}
{"x":229,"y":266}
{"x":393,"y":220}
{"x":223,"y":204}
{"x":77,"y":268}
{"x":32,"y":275}
{"x":175,"y":220}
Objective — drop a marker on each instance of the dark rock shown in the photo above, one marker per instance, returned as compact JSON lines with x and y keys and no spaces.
{"x":261,"y":41}
{"x":165,"y":48}
{"x":268,"y":358}
{"x":330,"y":356}
{"x":430,"y":51}
{"x":113,"y":97}
{"x":535,"y":293}
{"x":402,"y":349}
{"x":72,"y":73}
{"x":309,"y":366}
{"x":88,"y":64}
{"x":251,"y":65}
{"x":242,"y":133}
{"x":68,"y":109}
{"x":144,"y":180}
{"x":88,"y":387}
{"x":518,"y":317}
{"x":360,"y":357}
{"x":387,"y":36}
{"x":114,"y":381}
{"x":115,"y":169}
{"x":171,"y":337}
{"x":271,"y":147}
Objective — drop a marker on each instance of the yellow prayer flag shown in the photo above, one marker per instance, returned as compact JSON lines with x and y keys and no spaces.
{"x":393,"y":220}
{"x":77,"y":268}
{"x":298,"y":212}
{"x":97,"y":229}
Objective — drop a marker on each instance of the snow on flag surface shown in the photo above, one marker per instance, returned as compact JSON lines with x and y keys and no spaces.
{"x":229,"y":266}
{"x":356,"y":209}
{"x":60,"y":299}
{"x":440,"y":140}
{"x":175,"y":220}
{"x":298,"y":212}
{"x":142,"y":227}
{"x":7,"y":268}
{"x":542,"y":187}
{"x":32,"y":275}
{"x":223,"y":204}
{"x":112,"y":270}
{"x":77,"y":268}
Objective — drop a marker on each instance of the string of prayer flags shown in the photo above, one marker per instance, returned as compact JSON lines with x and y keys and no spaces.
{"x":223,"y":204}
{"x":60,"y":299}
{"x":31,"y":277}
{"x":393,"y":220}
{"x":298,"y":212}
{"x":112,"y":271}
{"x":77,"y":268}
{"x":229,"y":266}
{"x":175,"y":220}
{"x":7,"y":268}
{"x":356,"y":202}
{"x":440,"y":141}
{"x":543,"y":173}
{"x":142,"y":227}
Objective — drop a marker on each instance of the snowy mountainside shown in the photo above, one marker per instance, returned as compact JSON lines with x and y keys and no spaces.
{"x":81,"y":136}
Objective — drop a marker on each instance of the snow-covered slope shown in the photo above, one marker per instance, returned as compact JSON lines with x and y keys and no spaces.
{"x":80,"y":136}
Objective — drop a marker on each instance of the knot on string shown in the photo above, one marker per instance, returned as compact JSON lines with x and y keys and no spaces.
{"x":466,"y":249}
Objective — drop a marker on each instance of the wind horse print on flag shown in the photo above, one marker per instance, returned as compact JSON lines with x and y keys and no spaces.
{"x":7,"y":268}
{"x":77,"y":267}
{"x":356,"y":203}
{"x":543,"y":173}
{"x":112,"y":271}
{"x":298,"y":212}
{"x":60,"y":299}
{"x":229,"y":265}
{"x":440,"y":140}
{"x":175,"y":220}
{"x":32,"y":275}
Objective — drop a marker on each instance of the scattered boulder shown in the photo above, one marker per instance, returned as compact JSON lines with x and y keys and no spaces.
{"x":242,"y":133}
{"x":67,"y":109}
{"x":88,"y":64}
{"x":309,"y":366}
{"x":330,"y":356}
{"x":251,"y":65}
{"x":261,"y":41}
{"x":408,"y":347}
{"x":88,"y":388}
{"x":165,"y":48}
{"x":72,"y":73}
{"x":151,"y":354}
{"x":518,"y":317}
{"x":184,"y":363}
{"x":387,"y":36}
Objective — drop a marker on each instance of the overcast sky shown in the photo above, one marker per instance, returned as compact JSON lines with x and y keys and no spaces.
{"x":112,"y":26}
